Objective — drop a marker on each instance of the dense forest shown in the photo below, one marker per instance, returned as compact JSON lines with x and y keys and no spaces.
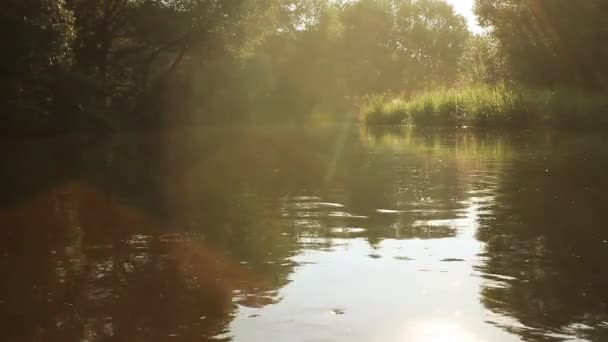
{"x":107,"y":64}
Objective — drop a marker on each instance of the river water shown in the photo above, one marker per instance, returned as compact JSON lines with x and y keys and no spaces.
{"x":333,"y":233}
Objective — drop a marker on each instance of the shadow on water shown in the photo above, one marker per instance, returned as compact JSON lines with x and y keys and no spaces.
{"x":145,"y":237}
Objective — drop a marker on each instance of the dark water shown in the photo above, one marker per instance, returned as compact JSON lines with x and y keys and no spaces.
{"x":305,"y":234}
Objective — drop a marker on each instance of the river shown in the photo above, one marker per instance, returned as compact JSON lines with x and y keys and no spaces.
{"x":284,"y":233}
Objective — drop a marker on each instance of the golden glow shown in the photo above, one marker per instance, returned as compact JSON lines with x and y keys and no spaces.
{"x":465,"y":8}
{"x":438,"y":331}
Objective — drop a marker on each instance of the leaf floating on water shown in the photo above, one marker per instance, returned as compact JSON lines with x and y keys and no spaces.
{"x":404,"y":258}
{"x":306,"y":198}
{"x":452,"y":260}
{"x":329,"y":204}
{"x":346,"y":230}
{"x":303,"y":263}
{"x":337,"y":311}
{"x":347,"y":215}
{"x":389,"y":211}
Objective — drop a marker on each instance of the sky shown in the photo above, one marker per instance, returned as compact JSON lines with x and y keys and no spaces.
{"x":465,"y":8}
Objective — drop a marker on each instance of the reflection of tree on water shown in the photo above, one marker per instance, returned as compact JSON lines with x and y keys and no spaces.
{"x":544,"y":260}
{"x":149,"y":236}
{"x":146,"y":237}
{"x":415,"y":183}
{"x":170,"y":260}
{"x":64,"y":283}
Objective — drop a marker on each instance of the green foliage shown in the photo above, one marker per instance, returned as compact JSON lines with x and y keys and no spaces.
{"x":38,"y":34}
{"x":482,"y":62}
{"x":131,"y":46}
{"x":431,"y":38}
{"x":187,"y":61}
{"x":492,"y":106}
{"x":325,"y":54}
{"x":68,"y":62}
{"x":341,"y":51}
{"x":551,"y":42}
{"x":401,"y":46}
{"x":37,"y":38}
{"x":378,"y":109}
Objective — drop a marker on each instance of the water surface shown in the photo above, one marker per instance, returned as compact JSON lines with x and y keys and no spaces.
{"x":305,"y":234}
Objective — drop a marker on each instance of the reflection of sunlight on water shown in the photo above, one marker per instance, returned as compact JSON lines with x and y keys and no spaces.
{"x":466,"y":221}
{"x":438,"y":331}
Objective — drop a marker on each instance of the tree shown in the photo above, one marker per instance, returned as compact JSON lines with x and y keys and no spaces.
{"x":482,"y":61}
{"x":126,"y":45}
{"x":102,"y":57}
{"x":551,"y":42}
{"x":38,"y":37}
{"x":431,"y":38}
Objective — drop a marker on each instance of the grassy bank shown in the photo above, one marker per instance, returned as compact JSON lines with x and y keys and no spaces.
{"x":490,"y":106}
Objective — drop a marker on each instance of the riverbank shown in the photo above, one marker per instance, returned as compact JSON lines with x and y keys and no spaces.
{"x":484,"y":106}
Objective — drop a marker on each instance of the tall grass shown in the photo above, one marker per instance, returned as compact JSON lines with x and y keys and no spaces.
{"x":380,"y":109}
{"x":490,"y":106}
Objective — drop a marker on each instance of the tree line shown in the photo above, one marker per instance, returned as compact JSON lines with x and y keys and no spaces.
{"x":77,"y":63}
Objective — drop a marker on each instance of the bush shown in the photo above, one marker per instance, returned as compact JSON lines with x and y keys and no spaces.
{"x":491,"y":106}
{"x":379,"y":110}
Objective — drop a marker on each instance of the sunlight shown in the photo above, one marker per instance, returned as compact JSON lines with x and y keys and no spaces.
{"x":438,"y":331}
{"x":466,"y":9}
{"x":337,"y":153}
